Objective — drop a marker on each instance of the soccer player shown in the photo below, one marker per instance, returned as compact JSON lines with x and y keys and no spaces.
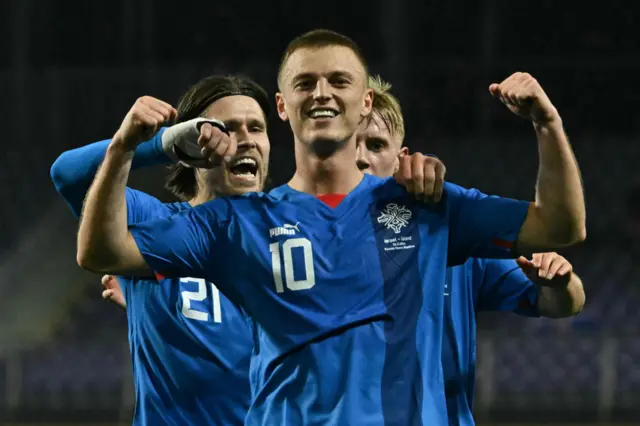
{"x":380,"y":138}
{"x":544,"y":286}
{"x":343,"y":273}
{"x":195,"y":320}
{"x":190,"y":346}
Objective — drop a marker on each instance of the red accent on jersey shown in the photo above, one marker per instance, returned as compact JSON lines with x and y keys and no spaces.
{"x":159,"y":276}
{"x":502,"y":243}
{"x":332,"y":200}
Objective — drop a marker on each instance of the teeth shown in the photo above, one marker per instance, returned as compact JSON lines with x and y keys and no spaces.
{"x":245,"y":160}
{"x":322,"y":113}
{"x":235,"y":168}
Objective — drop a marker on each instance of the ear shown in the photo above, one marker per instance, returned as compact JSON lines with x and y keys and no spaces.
{"x":367,"y":104}
{"x":401,"y":153}
{"x":282,"y":113}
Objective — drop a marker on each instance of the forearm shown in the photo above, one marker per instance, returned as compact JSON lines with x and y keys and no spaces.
{"x":73,"y":172}
{"x":561,"y":302}
{"x":104,"y":242}
{"x":559,"y":206}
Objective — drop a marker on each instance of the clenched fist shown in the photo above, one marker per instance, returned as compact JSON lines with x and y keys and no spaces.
{"x":143,"y":121}
{"x":523,"y":95}
{"x":422,"y":175}
{"x":216,"y":144}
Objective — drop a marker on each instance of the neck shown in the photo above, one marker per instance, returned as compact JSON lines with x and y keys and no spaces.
{"x":321,"y":171}
{"x":202,"y":197}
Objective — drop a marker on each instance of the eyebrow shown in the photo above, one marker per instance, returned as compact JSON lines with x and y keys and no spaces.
{"x":251,"y":121}
{"x":308,"y":75}
{"x":303,"y":76}
{"x":341,"y":73}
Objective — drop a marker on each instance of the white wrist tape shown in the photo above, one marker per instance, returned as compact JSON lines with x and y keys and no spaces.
{"x":180,"y":142}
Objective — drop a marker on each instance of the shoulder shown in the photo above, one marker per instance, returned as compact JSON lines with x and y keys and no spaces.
{"x":385,"y":187}
{"x":176,"y":207}
{"x":236,"y":205}
{"x":142,"y":207}
{"x":388,"y":188}
{"x":142,"y":198}
{"x":153,"y":206}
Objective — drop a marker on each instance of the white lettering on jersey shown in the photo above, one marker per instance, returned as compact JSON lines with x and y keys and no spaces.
{"x":285,"y":229}
{"x":199,"y":296}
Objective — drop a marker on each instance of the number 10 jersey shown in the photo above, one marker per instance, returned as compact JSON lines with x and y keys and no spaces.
{"x":347,"y":301}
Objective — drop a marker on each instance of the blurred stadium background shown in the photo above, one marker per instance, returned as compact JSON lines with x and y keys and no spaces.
{"x":70,"y":71}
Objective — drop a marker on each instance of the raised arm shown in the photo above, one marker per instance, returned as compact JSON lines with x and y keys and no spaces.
{"x":74,"y":170}
{"x":557,"y":218}
{"x":104,"y":242}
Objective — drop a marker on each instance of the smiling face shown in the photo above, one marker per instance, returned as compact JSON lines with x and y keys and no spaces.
{"x":247,"y":171}
{"x":323,"y":94}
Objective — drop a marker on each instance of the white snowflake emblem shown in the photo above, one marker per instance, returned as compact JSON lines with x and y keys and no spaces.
{"x":395,"y":217}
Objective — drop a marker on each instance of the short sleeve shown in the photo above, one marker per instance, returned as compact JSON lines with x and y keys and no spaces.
{"x":141,"y":207}
{"x":481,"y":226}
{"x":188,"y":244}
{"x":500,"y":285}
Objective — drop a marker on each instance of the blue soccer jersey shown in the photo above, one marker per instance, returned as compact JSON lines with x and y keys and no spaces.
{"x":348,"y":301}
{"x":190,"y":346}
{"x":477,"y":285}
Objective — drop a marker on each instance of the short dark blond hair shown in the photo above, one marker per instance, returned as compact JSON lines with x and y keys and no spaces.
{"x":321,"y":38}
{"x":387,"y":106}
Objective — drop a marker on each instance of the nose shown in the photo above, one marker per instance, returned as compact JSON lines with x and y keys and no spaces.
{"x":362,"y":165}
{"x":361,"y":159}
{"x":242,"y":135}
{"x":323,"y":90}
{"x":246,"y":144}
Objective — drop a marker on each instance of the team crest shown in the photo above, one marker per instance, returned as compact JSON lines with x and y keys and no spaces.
{"x":395,"y":217}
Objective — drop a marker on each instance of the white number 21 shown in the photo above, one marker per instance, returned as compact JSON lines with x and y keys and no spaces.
{"x":309,"y":279}
{"x":199,"y":296}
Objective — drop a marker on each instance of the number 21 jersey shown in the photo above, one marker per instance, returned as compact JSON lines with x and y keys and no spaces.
{"x":190,"y":346}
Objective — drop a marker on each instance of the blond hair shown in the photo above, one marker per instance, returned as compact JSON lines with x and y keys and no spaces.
{"x":387,"y":106}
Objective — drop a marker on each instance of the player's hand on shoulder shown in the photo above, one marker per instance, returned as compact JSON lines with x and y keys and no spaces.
{"x":422,"y":175}
{"x":143,"y":121}
{"x":112,"y":291}
{"x":524,"y":96}
{"x":547,"y":269}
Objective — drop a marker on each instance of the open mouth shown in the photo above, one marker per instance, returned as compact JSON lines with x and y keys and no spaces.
{"x":244,"y":168}
{"x":322,"y":113}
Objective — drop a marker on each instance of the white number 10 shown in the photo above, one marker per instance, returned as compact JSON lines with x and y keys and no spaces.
{"x":287,"y":248}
